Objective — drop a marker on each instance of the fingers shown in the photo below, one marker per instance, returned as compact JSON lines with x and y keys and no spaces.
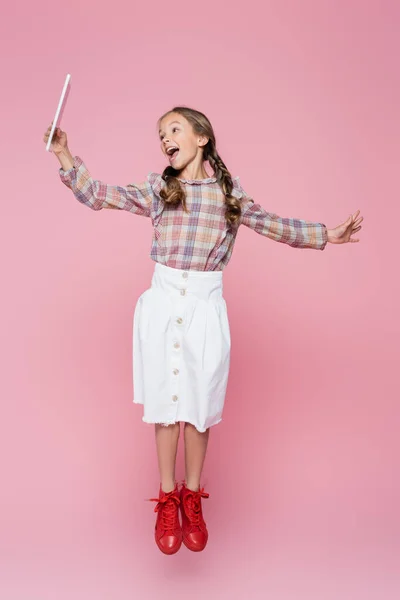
{"x":354,"y":219}
{"x":47,"y":132}
{"x":57,"y":132}
{"x":57,"y":129}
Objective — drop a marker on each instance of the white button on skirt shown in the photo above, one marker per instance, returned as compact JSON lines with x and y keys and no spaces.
{"x":181,"y":348}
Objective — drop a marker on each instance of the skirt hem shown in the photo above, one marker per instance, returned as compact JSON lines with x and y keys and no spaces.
{"x":166,"y":423}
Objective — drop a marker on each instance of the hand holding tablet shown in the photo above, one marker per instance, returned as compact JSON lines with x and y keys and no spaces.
{"x":53,"y":138}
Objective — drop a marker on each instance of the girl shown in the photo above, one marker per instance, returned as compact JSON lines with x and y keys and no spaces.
{"x":181,"y":335}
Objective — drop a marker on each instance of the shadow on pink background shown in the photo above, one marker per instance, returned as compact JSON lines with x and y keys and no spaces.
{"x":303,"y":471}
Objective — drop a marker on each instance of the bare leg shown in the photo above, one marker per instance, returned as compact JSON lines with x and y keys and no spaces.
{"x":195,"y":452}
{"x":167,"y":446}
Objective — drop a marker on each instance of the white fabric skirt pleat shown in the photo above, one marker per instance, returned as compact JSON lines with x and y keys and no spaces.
{"x":181,"y":348}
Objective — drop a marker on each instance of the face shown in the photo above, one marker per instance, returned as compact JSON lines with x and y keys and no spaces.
{"x":176,"y":131}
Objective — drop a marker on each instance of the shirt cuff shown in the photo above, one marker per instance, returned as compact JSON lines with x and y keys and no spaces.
{"x":324,"y":236}
{"x":76,"y":164}
{"x":66,"y":174}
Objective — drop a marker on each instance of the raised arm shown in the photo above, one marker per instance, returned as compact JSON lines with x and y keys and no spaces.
{"x":135,"y":198}
{"x":294,"y":232}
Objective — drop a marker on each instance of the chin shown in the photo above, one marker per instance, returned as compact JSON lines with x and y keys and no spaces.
{"x":178,"y":166}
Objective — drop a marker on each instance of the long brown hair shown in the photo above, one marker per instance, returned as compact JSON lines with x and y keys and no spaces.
{"x":174,"y":193}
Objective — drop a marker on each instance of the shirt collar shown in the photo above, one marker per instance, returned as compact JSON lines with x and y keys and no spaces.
{"x":198,"y":181}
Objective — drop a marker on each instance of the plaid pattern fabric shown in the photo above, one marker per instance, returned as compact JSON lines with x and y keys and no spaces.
{"x":201,"y":239}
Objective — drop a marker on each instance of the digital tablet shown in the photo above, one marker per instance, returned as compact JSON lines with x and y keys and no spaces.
{"x":60,"y":109}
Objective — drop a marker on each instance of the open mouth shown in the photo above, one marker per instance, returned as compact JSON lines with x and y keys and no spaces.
{"x":172,"y":153}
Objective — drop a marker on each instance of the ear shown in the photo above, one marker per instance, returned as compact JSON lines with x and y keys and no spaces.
{"x":203,"y":140}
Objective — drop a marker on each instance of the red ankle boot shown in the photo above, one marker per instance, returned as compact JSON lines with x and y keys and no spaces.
{"x":168,"y":531}
{"x":194,"y":529}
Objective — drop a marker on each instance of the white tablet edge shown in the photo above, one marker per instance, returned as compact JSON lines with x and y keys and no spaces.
{"x":67,"y":80}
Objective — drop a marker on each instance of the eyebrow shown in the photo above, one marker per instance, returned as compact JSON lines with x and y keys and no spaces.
{"x":159,"y":131}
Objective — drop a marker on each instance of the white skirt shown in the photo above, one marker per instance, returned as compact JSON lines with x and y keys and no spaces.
{"x":181,"y":348}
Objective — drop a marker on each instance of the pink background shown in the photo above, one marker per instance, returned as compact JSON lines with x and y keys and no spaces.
{"x":303,"y":472}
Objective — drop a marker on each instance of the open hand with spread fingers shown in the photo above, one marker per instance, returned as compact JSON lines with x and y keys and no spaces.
{"x":342,"y":233}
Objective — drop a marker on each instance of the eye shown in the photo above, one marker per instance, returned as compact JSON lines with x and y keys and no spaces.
{"x":173,"y":129}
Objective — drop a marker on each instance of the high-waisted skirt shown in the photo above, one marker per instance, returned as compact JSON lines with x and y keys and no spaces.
{"x":181,"y":348}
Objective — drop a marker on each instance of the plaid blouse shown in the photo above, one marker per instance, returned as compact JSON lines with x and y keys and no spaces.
{"x":201,"y":239}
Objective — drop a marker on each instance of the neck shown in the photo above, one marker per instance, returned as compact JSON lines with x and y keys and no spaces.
{"x":194,"y":170}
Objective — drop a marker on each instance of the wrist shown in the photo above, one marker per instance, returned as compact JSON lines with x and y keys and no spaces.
{"x":65,"y":159}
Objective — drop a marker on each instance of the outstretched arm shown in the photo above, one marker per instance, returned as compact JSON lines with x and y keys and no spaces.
{"x":135,"y":198}
{"x":297,"y":233}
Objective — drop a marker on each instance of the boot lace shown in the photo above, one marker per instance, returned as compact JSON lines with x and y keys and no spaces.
{"x":192,"y":504}
{"x":169,"y":515}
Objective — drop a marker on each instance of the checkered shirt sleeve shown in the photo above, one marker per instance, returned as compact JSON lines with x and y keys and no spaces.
{"x":297,"y":233}
{"x":135,"y":198}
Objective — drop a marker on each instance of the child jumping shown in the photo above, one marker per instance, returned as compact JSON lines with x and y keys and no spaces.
{"x":181,"y":334}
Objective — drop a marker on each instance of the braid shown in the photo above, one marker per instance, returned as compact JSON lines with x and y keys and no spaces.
{"x":173,"y":193}
{"x":224,"y":178}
